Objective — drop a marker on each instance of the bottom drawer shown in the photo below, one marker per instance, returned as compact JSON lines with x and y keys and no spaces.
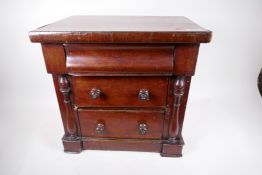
{"x":121,"y":124}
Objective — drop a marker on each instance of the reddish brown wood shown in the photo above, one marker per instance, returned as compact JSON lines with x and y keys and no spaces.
{"x":121,"y":74}
{"x":60,"y":100}
{"x":169,"y":108}
{"x":179,"y":91}
{"x":121,"y":123}
{"x":72,"y":146}
{"x":183,"y":105}
{"x":172,"y":150}
{"x":122,"y":144}
{"x":122,"y":83}
{"x":124,"y":58}
{"x":119,"y":91}
{"x":185,"y":59}
{"x":70,"y":122}
{"x":71,"y":138}
{"x":170,"y":104}
{"x":55,"y":58}
{"x":122,"y":29}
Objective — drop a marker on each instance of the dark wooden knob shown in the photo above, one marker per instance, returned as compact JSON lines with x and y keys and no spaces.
{"x":142,"y":128}
{"x":100,"y":127}
{"x":143,"y":94}
{"x":95,"y":93}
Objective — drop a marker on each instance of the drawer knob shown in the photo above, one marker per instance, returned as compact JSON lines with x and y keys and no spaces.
{"x":143,"y":94}
{"x":142,"y":128}
{"x":100,"y":127}
{"x":95,"y":93}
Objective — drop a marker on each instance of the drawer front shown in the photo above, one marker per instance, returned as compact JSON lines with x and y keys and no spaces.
{"x":127,"y":124}
{"x":119,"y":58}
{"x":120,"y":91}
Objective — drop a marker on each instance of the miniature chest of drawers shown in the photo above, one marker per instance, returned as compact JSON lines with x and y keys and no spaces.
{"x":122,"y":83}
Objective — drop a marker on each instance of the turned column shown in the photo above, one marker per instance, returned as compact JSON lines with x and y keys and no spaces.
{"x":70,"y":124}
{"x":174,"y":127}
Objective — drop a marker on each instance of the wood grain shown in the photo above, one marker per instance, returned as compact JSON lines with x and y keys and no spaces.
{"x":122,"y":29}
{"x":122,"y":144}
{"x":119,"y":91}
{"x":55,"y":58}
{"x":121,"y":123}
{"x":119,"y":58}
{"x":122,"y":82}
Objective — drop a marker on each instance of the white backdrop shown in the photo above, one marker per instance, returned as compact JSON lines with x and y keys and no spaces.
{"x":222,"y":127}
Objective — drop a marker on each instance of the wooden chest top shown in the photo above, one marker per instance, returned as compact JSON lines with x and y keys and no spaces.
{"x":122,"y":29}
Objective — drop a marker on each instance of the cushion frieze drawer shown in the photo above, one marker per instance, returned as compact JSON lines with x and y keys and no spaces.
{"x":119,"y":91}
{"x":119,"y":58}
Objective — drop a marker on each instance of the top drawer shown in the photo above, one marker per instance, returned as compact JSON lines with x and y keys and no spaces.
{"x":117,"y":58}
{"x":91,"y":91}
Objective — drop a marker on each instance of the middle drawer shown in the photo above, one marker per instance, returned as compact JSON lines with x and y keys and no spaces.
{"x":91,"y":91}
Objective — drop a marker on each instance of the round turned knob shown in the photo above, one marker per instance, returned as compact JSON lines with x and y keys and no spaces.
{"x":100,"y":127}
{"x":142,"y":128}
{"x":143,"y":94}
{"x":95,"y":93}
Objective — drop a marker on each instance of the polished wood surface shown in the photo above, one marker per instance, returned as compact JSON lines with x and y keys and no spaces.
{"x":122,"y":144}
{"x":119,"y":29}
{"x":114,"y":123}
{"x":119,"y":91}
{"x":122,"y":83}
{"x":118,"y":58}
{"x":185,"y":59}
{"x":54,"y":56}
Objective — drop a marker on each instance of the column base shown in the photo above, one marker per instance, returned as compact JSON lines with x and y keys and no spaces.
{"x":72,"y":145}
{"x":172,"y":149}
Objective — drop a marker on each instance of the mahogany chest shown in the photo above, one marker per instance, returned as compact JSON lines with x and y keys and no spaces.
{"x":122,"y":83}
